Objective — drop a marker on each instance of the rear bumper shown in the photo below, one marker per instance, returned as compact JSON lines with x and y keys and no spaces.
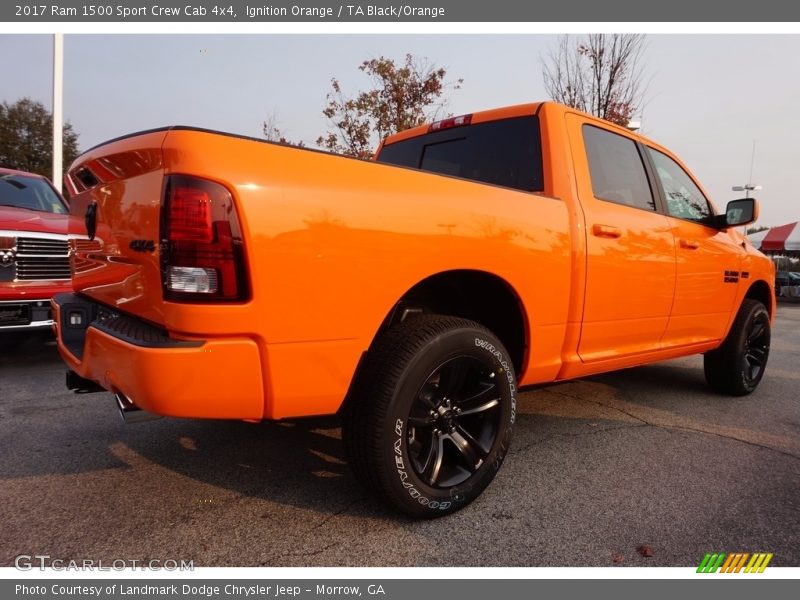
{"x":217,"y":378}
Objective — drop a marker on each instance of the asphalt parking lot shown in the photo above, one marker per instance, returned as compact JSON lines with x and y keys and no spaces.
{"x":645,"y":459}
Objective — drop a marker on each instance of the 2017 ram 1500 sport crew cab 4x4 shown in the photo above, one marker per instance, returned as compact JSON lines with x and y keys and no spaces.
{"x":233,"y":278}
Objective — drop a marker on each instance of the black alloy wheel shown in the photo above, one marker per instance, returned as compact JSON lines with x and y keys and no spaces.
{"x":738,"y":365}
{"x":454,"y":421}
{"x":756,"y":348}
{"x":428,"y":421}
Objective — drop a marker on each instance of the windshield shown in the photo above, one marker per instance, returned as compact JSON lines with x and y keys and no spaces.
{"x":30,"y":193}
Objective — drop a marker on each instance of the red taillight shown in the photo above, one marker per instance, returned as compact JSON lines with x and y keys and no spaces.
{"x":203,"y":253}
{"x":449,"y":123}
{"x":190,"y":215}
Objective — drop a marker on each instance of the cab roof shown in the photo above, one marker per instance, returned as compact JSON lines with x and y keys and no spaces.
{"x":495,"y":114}
{"x":508,"y":112}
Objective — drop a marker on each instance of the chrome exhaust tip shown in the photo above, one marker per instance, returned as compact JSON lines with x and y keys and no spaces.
{"x":131,"y":413}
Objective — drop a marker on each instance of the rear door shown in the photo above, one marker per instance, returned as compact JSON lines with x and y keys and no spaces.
{"x":630,"y":264}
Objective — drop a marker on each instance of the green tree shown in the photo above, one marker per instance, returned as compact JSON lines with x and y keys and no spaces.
{"x":26,"y":138}
{"x":599,"y":74}
{"x":400,"y":97}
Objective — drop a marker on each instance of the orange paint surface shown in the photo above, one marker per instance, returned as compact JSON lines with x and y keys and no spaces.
{"x":332,"y":244}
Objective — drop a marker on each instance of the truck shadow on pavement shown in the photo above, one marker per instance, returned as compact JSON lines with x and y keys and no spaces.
{"x":47,"y":431}
{"x":64,"y":440}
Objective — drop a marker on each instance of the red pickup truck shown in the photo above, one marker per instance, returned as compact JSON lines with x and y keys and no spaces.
{"x":34,"y":262}
{"x":226,"y":277}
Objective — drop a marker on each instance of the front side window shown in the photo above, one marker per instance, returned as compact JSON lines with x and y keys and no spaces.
{"x":684,"y":198}
{"x":31,"y":193}
{"x":616,"y":169}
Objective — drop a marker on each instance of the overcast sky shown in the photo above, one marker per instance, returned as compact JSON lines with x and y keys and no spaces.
{"x":709,"y":96}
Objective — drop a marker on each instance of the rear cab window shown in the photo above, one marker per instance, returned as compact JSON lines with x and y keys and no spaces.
{"x":506,"y":152}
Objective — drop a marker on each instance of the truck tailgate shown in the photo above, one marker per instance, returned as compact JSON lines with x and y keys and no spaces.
{"x":115,"y":203}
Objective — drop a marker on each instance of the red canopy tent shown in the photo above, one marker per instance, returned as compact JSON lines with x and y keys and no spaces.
{"x":785,"y":238}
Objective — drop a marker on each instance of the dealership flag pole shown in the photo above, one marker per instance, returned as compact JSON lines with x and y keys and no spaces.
{"x":58,"y":116}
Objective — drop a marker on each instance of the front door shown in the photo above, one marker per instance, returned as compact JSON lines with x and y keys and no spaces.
{"x":708,"y":260}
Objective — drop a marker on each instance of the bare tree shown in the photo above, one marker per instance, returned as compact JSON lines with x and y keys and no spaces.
{"x":270,"y":128}
{"x":600,"y":74}
{"x":273,"y":133}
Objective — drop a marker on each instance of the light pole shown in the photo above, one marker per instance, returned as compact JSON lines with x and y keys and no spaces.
{"x":634,"y":125}
{"x":58,"y":105}
{"x":749,"y":187}
{"x":746,"y":188}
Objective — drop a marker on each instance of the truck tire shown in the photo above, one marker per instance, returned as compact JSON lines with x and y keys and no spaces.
{"x":737,"y":366}
{"x":429,"y":419}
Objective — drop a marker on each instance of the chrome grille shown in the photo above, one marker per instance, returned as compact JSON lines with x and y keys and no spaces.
{"x":42,"y":259}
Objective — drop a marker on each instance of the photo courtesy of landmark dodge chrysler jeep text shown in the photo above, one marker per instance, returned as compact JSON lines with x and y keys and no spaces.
{"x":233,"y":278}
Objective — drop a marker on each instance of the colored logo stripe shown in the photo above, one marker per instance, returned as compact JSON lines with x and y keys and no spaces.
{"x":758,"y":563}
{"x":711,"y":562}
{"x":733,"y":563}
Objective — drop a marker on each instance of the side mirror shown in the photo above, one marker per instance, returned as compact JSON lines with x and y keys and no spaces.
{"x":738,"y":212}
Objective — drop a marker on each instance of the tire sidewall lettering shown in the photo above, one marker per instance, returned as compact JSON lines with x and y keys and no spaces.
{"x":507,"y":370}
{"x":407,"y":478}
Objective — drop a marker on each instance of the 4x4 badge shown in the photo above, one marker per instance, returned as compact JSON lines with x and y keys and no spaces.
{"x":142,"y":245}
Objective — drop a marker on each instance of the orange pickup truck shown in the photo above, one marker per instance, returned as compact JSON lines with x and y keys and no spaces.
{"x":223,"y":277}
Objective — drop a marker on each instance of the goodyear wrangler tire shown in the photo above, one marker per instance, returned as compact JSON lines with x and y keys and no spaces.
{"x":737,"y":366}
{"x":429,"y":420}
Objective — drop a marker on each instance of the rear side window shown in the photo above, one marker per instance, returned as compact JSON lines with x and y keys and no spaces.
{"x":616,"y":169}
{"x":506,"y":153}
